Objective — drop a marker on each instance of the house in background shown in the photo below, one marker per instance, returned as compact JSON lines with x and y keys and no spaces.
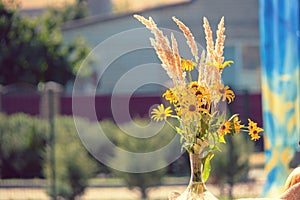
{"x":123,"y":59}
{"x":124,"y":62}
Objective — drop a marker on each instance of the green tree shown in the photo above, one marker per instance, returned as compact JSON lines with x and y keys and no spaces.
{"x":22,"y":143}
{"x":231,"y":164}
{"x":69,"y":11}
{"x":73,"y":164}
{"x":32,"y":49}
{"x":143,"y":181}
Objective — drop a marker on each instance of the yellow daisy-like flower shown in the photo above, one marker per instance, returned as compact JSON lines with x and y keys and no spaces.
{"x":223,"y":65}
{"x":225,"y":128}
{"x":237,"y":124}
{"x":190,"y":110}
{"x":161,"y":113}
{"x":254,"y":130}
{"x":170,"y":96}
{"x":201,"y":92}
{"x":251,"y":125}
{"x":226,"y":93}
{"x":203,"y":95}
{"x":255,"y":133}
{"x":255,"y":137}
{"x":189,"y":106}
{"x":187,"y":65}
{"x":194,"y":85}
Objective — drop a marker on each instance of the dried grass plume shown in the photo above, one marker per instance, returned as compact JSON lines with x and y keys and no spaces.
{"x":189,"y":37}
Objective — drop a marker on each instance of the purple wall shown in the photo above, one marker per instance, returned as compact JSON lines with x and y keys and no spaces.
{"x":248,"y":105}
{"x":28,"y":104}
{"x":138,"y":106}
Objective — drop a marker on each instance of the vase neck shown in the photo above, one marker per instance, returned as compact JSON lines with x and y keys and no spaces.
{"x":196,"y":163}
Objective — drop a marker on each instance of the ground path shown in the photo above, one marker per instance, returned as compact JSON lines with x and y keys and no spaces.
{"x":248,"y":189}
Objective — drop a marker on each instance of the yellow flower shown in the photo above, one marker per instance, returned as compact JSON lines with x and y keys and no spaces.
{"x":187,"y":65}
{"x":226,"y":93}
{"x":254,"y":133}
{"x":161,"y":113}
{"x":225,"y":128}
{"x":237,"y":124}
{"x":190,"y":110}
{"x":255,"y":137}
{"x":202,"y":94}
{"x":194,"y":85}
{"x":170,"y":96}
{"x":189,"y":106}
{"x":254,"y":130}
{"x":225,"y":64}
{"x":251,"y":125}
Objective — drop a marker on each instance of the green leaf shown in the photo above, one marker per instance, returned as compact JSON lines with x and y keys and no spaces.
{"x":215,"y":147}
{"x":207,"y":168}
{"x":181,"y":139}
{"x":178,"y":130}
{"x":222,"y":139}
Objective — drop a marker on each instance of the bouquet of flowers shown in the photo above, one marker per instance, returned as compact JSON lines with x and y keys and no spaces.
{"x":195,"y":104}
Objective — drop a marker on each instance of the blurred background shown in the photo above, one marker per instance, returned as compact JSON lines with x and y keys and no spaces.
{"x":47,"y":45}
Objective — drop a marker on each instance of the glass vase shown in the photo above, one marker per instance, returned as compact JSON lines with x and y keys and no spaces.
{"x":196,"y":190}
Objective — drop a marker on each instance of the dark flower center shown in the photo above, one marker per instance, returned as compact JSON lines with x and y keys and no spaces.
{"x":192,"y":108}
{"x":194,"y":86}
{"x":198,"y":93}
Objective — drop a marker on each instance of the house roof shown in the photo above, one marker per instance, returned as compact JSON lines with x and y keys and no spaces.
{"x":110,"y":17}
{"x":241,"y":19}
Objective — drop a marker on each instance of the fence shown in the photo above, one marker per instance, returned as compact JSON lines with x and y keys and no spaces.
{"x":34,"y":103}
{"x":248,"y":105}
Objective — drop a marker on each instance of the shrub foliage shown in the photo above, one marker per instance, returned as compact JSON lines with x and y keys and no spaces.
{"x":25,"y":150}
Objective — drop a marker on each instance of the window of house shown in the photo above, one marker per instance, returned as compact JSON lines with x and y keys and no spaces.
{"x":251,"y":57}
{"x":229,"y":73}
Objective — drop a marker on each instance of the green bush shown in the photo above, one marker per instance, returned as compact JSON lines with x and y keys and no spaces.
{"x":138,"y":145}
{"x":22,"y":143}
{"x":231,"y":164}
{"x":24,"y":151}
{"x":73,"y":164}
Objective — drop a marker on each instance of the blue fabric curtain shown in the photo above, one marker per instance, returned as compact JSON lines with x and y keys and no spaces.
{"x":280,"y":51}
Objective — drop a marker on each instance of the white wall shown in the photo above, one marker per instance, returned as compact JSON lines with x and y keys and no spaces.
{"x":122,"y":34}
